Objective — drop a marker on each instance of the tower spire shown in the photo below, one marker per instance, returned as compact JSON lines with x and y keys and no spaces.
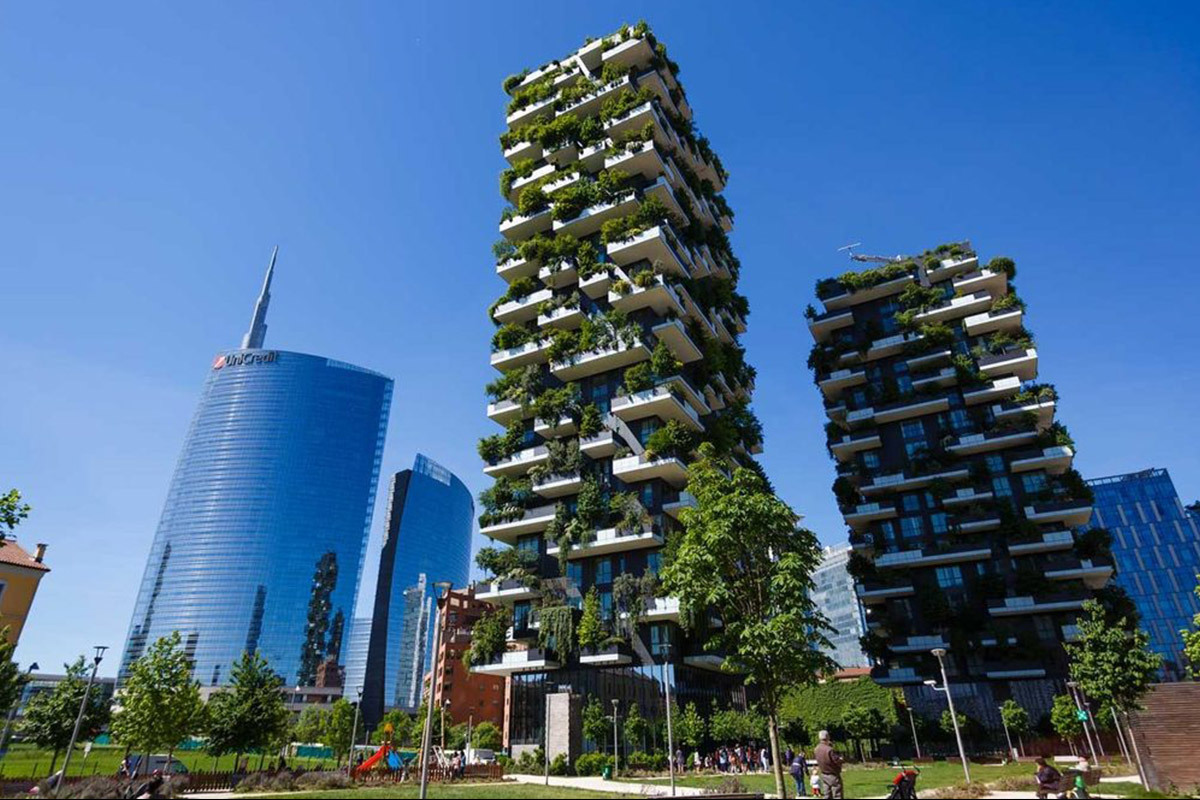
{"x":254,"y":337}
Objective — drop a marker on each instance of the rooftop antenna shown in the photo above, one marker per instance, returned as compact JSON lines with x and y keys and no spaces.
{"x":850,"y":249}
{"x":253,"y":340}
{"x":875,"y":259}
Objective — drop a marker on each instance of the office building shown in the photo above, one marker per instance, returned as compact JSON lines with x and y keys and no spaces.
{"x":466,"y":697}
{"x":427,"y":540}
{"x":955,"y":479}
{"x":617,"y":351}
{"x":355,"y":654}
{"x":261,"y":539}
{"x":20,"y":575}
{"x":1156,"y":546}
{"x":834,"y":595}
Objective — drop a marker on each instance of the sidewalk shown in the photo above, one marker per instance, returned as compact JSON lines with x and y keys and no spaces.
{"x":600,"y":785}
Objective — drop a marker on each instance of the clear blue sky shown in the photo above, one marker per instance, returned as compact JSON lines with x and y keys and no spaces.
{"x":151,"y":155}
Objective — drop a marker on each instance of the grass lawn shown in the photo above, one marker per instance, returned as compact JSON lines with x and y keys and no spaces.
{"x":24,"y":761}
{"x":463,"y":790}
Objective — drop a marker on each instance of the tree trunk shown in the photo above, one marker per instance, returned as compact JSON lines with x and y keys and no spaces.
{"x":170,"y":754}
{"x":776,"y":765}
{"x":53,"y":761}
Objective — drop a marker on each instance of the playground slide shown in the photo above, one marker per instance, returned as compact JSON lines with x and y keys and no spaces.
{"x":370,"y":762}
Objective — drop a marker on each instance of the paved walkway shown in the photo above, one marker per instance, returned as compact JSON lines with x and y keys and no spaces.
{"x":596,"y":784}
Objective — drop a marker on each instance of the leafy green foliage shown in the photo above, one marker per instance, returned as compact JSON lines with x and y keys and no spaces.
{"x":487,"y":736}
{"x":12,"y":510}
{"x":591,"y":421}
{"x":591,"y":625}
{"x":809,"y":709}
{"x":639,"y":378}
{"x":160,"y":703}
{"x":1003,"y":264}
{"x":49,"y":716}
{"x":1191,"y":641}
{"x":1063,"y":719}
{"x":11,"y":677}
{"x":673,"y":440}
{"x":310,"y":727}
{"x":597,"y":724}
{"x":251,"y":714}
{"x":557,"y":629}
{"x":1112,"y":663}
{"x":690,"y":726}
{"x":635,"y":728}
{"x":489,"y":638}
{"x":339,"y":728}
{"x":1015,"y":717}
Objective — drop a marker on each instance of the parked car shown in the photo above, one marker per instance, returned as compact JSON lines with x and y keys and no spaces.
{"x":168,"y":765}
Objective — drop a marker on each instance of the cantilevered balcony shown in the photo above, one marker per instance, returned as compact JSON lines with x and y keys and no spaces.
{"x":505,"y":411}
{"x":608,"y":656}
{"x":910,"y":407}
{"x":1043,"y":543}
{"x":709,"y":661}
{"x":515,"y":662}
{"x":1044,"y":604}
{"x":999,"y":388}
{"x":1022,"y":363}
{"x":534,"y":520}
{"x":602,"y":445}
{"x":636,"y":119}
{"x":522,"y":151}
{"x":521,"y":227}
{"x":1054,"y":460}
{"x":1071,"y":513}
{"x":893,"y":676}
{"x":842,"y":379}
{"x":675,"y":336}
{"x":660,"y":402}
{"x":506,"y":592}
{"x":609,"y":541}
{"x":643,"y":468}
{"x":823,"y":326}
{"x":656,"y":245}
{"x":925,"y":361}
{"x":633,"y":52}
{"x":917,"y":644}
{"x":942,"y":378}
{"x":1095,"y":573}
{"x":1044,"y":409}
{"x":563,"y":318}
{"x":659,"y":296}
{"x":861,"y":296}
{"x":552,"y":429}
{"x":596,"y":285}
{"x":522,"y":309}
{"x":967,"y":495}
{"x":976,"y":523}
{"x":556,"y":276}
{"x":514,"y":190}
{"x":591,"y":103}
{"x":644,"y":159}
{"x":845,"y":449}
{"x":906,"y":559}
{"x":519,"y":356}
{"x":865,"y":513}
{"x":972,"y":443}
{"x":518,"y":463}
{"x":872,"y":593}
{"x":891,"y":345}
{"x":899,"y":482}
{"x":662,"y":609}
{"x":591,"y":218}
{"x":948,"y":267}
{"x":516,"y":267}
{"x":539,"y":109}
{"x":993,"y":322}
{"x":956,"y":307}
{"x":1014,"y":670}
{"x":594,"y":362}
{"x":981,"y":280}
{"x":672,"y":507}
{"x":559,"y":485}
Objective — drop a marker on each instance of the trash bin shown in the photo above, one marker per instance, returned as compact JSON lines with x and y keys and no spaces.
{"x":607,"y":773}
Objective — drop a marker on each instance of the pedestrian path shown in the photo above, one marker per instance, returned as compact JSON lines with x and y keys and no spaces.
{"x":595,"y":784}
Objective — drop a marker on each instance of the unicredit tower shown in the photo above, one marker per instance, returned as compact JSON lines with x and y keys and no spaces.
{"x":262,"y":536}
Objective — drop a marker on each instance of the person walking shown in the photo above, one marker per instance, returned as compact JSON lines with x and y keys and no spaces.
{"x":796,"y":769}
{"x":829,"y":764}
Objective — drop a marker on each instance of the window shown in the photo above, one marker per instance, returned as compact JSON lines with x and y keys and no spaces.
{"x":604,"y":575}
{"x":654,"y":562}
{"x":914,"y":429}
{"x":1034,"y":482}
{"x":521,"y":615}
{"x":938,"y":522}
{"x":949,"y":577}
{"x":960,"y":422}
{"x":649,"y":426}
{"x":601,"y":397}
{"x":648,"y":495}
{"x":887,"y":314}
{"x":859,"y":398}
{"x":1001,"y":487}
{"x":916,"y":449}
{"x":995,"y":464}
{"x":575,"y":573}
{"x":660,"y":638}
{"x":528,"y":544}
{"x":912,"y":502}
{"x":911,"y":528}
{"x":1045,"y":629}
{"x":606,"y":605}
{"x":904,"y":384}
{"x":888,"y":529}
{"x":870,"y":460}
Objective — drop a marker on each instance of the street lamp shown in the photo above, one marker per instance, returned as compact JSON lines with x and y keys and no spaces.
{"x":96,"y":659}
{"x":427,"y":734}
{"x":666,"y":650}
{"x":1004,"y":722}
{"x":445,"y":705}
{"x":1072,"y":686}
{"x":354,"y":734}
{"x":940,"y":654}
{"x":12,"y":712}
{"x":616,"y":752}
{"x":913,"y":723}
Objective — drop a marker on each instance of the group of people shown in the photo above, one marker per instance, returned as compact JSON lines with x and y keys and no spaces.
{"x":737,"y":760}
{"x":824,"y":779}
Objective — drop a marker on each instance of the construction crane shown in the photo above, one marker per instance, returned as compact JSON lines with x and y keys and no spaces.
{"x":873,"y":259}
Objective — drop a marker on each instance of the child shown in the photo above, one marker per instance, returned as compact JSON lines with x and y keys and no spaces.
{"x":814,"y":780}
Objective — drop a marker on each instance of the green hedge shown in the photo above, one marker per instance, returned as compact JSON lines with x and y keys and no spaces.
{"x":813,"y":708}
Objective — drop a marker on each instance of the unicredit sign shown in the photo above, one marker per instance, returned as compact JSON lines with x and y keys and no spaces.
{"x":242,"y":359}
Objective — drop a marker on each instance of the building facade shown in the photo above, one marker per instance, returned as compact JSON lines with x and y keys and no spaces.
{"x":261,"y":539}
{"x":355,"y":654}
{"x":20,"y":575}
{"x":467,"y":697}
{"x":833,"y":593}
{"x":617,"y":351}
{"x":955,"y":480}
{"x":1156,"y":546}
{"x":427,"y":540}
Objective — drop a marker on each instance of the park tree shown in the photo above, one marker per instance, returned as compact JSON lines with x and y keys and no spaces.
{"x":250,"y":715}
{"x":339,"y":728}
{"x":597,"y":724}
{"x":310,"y":727}
{"x":725,"y":725}
{"x":1016,"y":718}
{"x":1063,"y":718}
{"x":946,"y":723}
{"x":402,"y":728}
{"x":160,"y":703}
{"x":1191,"y":642}
{"x":742,"y":558}
{"x":49,"y":717}
{"x":12,"y":510}
{"x":635,"y":729}
{"x":863,"y":723}
{"x":487,"y":736}
{"x":689,"y":725}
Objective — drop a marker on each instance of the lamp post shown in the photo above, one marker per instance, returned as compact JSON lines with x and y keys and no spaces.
{"x":427,"y":734}
{"x":913,"y":723}
{"x":546,"y":735}
{"x":1072,"y":686}
{"x":96,"y":659}
{"x":12,"y":712}
{"x":940,"y":654}
{"x":445,"y":705}
{"x":1007,"y":738}
{"x":670,"y":735}
{"x":616,"y":752}
{"x":354,"y":735}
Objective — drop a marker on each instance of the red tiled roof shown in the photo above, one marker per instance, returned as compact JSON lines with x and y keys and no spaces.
{"x":12,"y":553}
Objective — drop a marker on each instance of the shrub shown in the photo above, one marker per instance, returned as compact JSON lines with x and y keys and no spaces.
{"x":639,"y":378}
{"x":729,"y":786}
{"x":323,"y":781}
{"x":646,"y":762}
{"x":592,"y":763}
{"x":560,"y":766}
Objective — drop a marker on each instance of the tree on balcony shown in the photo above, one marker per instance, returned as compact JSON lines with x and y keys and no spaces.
{"x":1191,"y":642}
{"x":489,"y":638}
{"x":742,"y":557}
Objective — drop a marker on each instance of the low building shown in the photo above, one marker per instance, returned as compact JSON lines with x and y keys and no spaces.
{"x":471,"y":697}
{"x":20,"y":574}
{"x":46,"y":681}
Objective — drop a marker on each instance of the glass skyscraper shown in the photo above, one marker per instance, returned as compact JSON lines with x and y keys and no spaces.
{"x":427,"y":539}
{"x":1156,"y":544}
{"x":833,"y":593}
{"x":261,"y":539}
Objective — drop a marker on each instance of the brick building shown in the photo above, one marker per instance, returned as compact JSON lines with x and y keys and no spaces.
{"x":472,"y":697}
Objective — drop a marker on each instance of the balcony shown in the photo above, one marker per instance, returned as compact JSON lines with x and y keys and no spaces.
{"x":674,"y":335}
{"x":641,"y":468}
{"x":708,"y":661}
{"x":822,"y":326}
{"x":662,"y":609}
{"x":909,"y":408}
{"x":515,"y":662}
{"x":952,"y":266}
{"x":899,"y":482}
{"x":515,"y":268}
{"x":656,"y":245}
{"x":673,"y":507}
{"x":863,"y":515}
{"x":564,"y":318}
{"x":590,"y":104}
{"x":993,"y":321}
{"x":522,"y":151}
{"x":906,"y":559}
{"x":848,"y":298}
{"x":891,"y":345}
{"x":658,"y":402}
{"x":657,"y":296}
{"x":1044,"y":409}
{"x":1070,"y":513}
{"x":645,"y":160}
{"x":519,"y":227}
{"x":946,"y":376}
{"x":968,"y":495}
{"x":1002,"y":387}
{"x":957,"y":307}
{"x":602,"y":445}
{"x":629,"y":53}
{"x":611,"y":656}
{"x":504,"y":412}
{"x":517,"y":185}
{"x":982,"y":280}
{"x":917,"y":644}
{"x":1094,"y":573}
{"x":1022,"y":363}
{"x":534,"y":520}
{"x":842,"y":379}
{"x":895,"y":675}
{"x":1054,"y":460}
{"x":563,"y":426}
{"x":927,"y":359}
{"x":988,"y":442}
{"x":505,"y":592}
{"x":1046,"y":543}
{"x":597,"y":361}
{"x":591,"y":218}
{"x":526,"y":631}
{"x":559,"y":485}
{"x":609,"y":541}
{"x":1016,"y":606}
{"x":518,"y":463}
{"x":976,"y":523}
{"x":596,"y":285}
{"x":1014,"y":671}
{"x":845,"y":449}
{"x":536,"y":110}
{"x":522,"y":309}
{"x":519,"y":356}
{"x":869,"y":594}
{"x":558,"y":275}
